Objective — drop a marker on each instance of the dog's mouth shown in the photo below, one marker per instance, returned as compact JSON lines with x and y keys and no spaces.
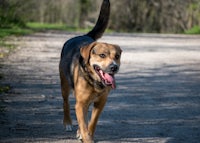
{"x":106,"y":78}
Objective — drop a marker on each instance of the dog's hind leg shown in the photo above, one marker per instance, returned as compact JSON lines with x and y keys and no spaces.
{"x":65,"y":88}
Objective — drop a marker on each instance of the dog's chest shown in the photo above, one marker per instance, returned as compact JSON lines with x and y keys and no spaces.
{"x":95,"y":97}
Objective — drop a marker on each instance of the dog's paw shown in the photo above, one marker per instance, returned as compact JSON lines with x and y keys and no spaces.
{"x":68,"y":128}
{"x":80,"y":139}
{"x":78,"y":136}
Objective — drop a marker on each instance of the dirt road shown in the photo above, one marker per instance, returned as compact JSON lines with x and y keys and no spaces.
{"x":157,"y":99}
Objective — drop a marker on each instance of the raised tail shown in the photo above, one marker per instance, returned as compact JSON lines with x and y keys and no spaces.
{"x":102,"y":21}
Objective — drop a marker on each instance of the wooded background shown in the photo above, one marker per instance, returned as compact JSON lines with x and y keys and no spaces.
{"x":162,"y":16}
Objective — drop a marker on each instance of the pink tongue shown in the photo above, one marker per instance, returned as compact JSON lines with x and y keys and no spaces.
{"x":109,"y":80}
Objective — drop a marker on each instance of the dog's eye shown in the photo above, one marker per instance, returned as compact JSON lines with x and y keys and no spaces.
{"x":102,"y":55}
{"x":117,"y":57}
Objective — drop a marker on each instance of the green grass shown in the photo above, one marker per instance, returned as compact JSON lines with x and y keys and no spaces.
{"x":193,"y":30}
{"x":47,"y":26}
{"x":57,"y":26}
{"x":33,"y":27}
{"x":4,"y":32}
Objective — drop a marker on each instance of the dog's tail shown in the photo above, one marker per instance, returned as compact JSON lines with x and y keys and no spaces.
{"x":102,"y":21}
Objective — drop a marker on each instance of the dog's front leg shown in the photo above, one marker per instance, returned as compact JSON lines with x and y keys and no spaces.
{"x":97,"y":109}
{"x":81,"y":114}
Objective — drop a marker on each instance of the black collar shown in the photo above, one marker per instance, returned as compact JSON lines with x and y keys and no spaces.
{"x":86,"y":74}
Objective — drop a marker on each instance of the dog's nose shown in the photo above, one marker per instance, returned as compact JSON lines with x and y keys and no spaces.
{"x":114,"y":68}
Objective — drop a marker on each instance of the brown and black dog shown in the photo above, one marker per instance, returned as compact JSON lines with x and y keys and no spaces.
{"x":88,"y":67}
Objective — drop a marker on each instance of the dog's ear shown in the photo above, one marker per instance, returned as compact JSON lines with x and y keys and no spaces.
{"x":86,"y":50}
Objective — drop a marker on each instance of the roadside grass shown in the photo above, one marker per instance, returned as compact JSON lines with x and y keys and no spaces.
{"x":57,"y":26}
{"x":32,"y":27}
{"x":193,"y":30}
{"x":4,"y":32}
{"x":48,"y":26}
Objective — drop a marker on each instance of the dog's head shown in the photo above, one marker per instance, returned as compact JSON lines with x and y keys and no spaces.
{"x":102,"y":61}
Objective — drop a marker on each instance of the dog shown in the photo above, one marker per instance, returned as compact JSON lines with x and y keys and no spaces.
{"x":88,"y":68}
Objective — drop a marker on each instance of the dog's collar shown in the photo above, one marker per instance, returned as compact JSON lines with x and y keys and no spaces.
{"x":86,"y":74}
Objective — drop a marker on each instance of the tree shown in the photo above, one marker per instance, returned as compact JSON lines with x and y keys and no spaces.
{"x":155,"y":15}
{"x":9,"y":16}
{"x":165,"y":16}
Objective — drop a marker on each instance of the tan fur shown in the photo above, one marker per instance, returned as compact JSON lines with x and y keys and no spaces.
{"x":84,"y":92}
{"x":88,"y":67}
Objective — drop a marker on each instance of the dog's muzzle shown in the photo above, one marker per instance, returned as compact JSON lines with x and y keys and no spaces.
{"x":107,"y":76}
